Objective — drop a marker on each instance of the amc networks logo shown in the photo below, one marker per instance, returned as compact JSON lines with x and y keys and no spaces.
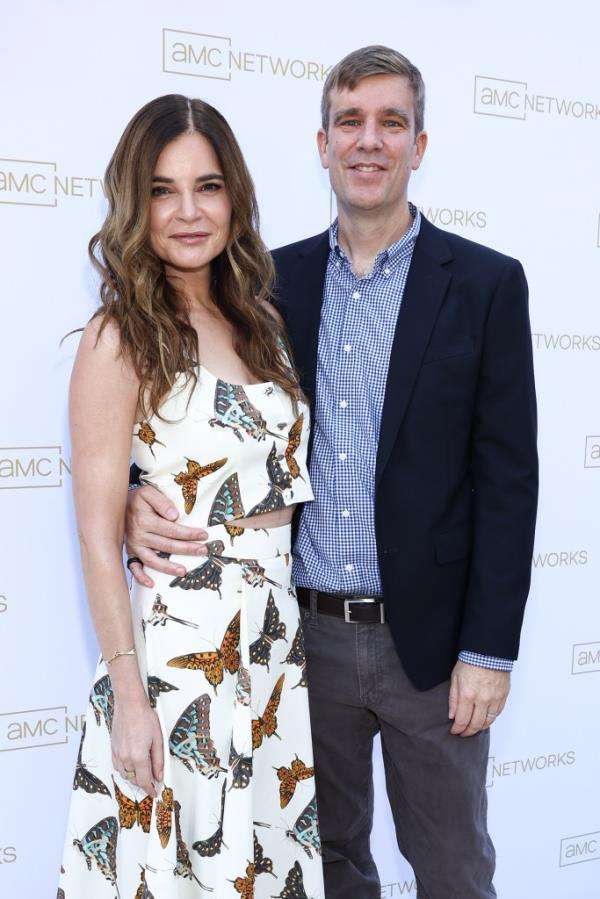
{"x":23,"y":467}
{"x":8,"y":855}
{"x":406,"y":888}
{"x":453,"y":218}
{"x":592,"y":452}
{"x":585,"y":658}
{"x":36,"y":728}
{"x":25,"y":182}
{"x":212,"y":56}
{"x":582,"y":848}
{"x":568,"y":343}
{"x":511,"y":100}
{"x":532,"y":764}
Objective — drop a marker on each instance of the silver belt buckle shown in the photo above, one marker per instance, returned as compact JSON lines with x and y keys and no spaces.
{"x":362,"y":600}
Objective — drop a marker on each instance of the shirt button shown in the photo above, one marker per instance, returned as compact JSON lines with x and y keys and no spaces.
{"x":349,"y":566}
{"x":343,"y":404}
{"x":386,"y":271}
{"x":347,"y":347}
{"x":342,"y":457}
{"x":356,"y":295}
{"x":345,"y":513}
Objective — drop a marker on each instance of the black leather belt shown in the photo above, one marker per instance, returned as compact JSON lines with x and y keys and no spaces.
{"x":353,"y":608}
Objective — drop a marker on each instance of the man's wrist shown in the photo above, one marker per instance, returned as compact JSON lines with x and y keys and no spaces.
{"x":484,"y":661}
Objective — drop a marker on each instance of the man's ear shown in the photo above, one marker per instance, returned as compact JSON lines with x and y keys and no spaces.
{"x":322,"y":147}
{"x":421,"y":145}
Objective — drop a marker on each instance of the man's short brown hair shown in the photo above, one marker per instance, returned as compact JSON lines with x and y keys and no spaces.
{"x":374,"y":60}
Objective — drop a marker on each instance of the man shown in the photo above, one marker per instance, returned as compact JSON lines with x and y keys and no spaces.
{"x":413,"y":562}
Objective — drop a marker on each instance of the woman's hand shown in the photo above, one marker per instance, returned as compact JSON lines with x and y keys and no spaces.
{"x":137,"y":743}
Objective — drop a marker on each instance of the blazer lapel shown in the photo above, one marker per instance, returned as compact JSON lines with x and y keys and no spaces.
{"x":425,"y":288}
{"x":303,"y":309}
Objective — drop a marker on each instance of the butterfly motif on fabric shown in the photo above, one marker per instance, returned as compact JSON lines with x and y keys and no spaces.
{"x":234,"y":410}
{"x":164,"y":816}
{"x":132,"y":811}
{"x":99,"y":845}
{"x":297,"y":655}
{"x":190,"y":739}
{"x":294,"y":884}
{"x":208,"y":575}
{"x":212,"y":846}
{"x":279,"y":480}
{"x":233,"y":530}
{"x":261,"y":865}
{"x":294,"y":437}
{"x":148,"y":436}
{"x":266,"y":724}
{"x":227,"y":504}
{"x":254,"y":574}
{"x":273,"y":629}
{"x":183,"y":868}
{"x":102,"y":699}
{"x":243,"y":686}
{"x":84,"y":778}
{"x":289,"y":777}
{"x":240,"y":766}
{"x":215,"y":663}
{"x":245,"y":885}
{"x":188,"y":480}
{"x":305,"y":831}
{"x":160,"y":615}
{"x":142,"y":891}
{"x":156,"y":686}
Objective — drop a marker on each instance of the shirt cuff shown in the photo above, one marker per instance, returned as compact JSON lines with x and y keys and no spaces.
{"x":474,"y":658}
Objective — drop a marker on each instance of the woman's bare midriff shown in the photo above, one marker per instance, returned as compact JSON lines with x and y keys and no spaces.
{"x":276,"y":519}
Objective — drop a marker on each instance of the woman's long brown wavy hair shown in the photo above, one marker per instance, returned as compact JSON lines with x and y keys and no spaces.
{"x":156,"y":337}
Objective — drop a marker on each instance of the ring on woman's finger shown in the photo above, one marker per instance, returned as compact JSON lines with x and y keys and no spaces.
{"x":129,"y":775}
{"x":132,"y":559}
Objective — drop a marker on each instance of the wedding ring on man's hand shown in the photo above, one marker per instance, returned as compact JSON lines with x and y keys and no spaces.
{"x":131,"y":560}
{"x":492,"y":715}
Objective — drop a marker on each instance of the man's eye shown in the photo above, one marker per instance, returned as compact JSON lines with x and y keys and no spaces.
{"x":350,"y":122}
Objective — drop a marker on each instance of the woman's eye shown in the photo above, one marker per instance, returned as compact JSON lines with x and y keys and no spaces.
{"x":211,"y":186}
{"x":159,"y":191}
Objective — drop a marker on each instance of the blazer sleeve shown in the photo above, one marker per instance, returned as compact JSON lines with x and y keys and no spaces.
{"x":505,"y":475}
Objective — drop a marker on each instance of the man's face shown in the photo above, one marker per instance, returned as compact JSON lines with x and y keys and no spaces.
{"x":371,"y":148}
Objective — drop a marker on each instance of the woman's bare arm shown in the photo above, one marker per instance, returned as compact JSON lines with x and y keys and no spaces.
{"x":102,"y":406}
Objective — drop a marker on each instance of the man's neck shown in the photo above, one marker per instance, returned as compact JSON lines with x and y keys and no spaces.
{"x":362,"y":237}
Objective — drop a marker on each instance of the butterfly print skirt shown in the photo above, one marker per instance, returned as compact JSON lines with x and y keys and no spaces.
{"x":221,"y":651}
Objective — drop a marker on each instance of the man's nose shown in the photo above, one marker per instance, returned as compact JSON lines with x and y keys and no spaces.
{"x":370,"y":137}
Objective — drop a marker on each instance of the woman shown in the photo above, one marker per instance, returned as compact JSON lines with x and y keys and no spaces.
{"x":195,"y":767}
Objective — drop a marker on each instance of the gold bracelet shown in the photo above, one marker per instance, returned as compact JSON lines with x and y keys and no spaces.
{"x":120,"y":652}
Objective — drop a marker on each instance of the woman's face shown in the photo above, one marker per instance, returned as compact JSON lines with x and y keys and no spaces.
{"x":190,"y":210}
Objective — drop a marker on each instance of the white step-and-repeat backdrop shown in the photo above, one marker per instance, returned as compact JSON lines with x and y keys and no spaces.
{"x":514,"y":120}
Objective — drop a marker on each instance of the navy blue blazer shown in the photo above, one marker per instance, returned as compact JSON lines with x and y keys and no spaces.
{"x":456,"y":476}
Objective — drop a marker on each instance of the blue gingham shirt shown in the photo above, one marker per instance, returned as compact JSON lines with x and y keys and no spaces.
{"x":336,"y":549}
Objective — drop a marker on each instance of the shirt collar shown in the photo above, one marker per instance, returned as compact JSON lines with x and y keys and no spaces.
{"x":390,"y":256}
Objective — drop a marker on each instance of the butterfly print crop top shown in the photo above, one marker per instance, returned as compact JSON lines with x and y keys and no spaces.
{"x":223,"y":451}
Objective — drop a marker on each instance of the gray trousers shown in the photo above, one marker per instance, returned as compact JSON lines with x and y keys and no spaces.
{"x":435,"y":781}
